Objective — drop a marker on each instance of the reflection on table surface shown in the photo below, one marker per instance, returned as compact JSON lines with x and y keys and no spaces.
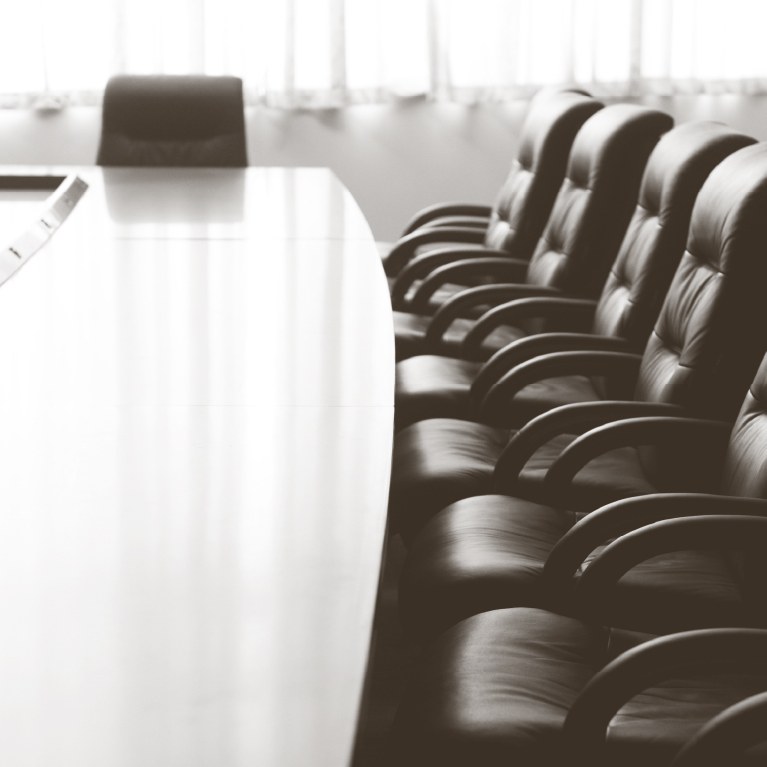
{"x":196,"y":432}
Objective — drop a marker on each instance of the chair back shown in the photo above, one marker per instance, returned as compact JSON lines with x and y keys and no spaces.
{"x":711,"y":332}
{"x":173,"y":120}
{"x":656,"y":235}
{"x":524,"y":202}
{"x":596,"y":199}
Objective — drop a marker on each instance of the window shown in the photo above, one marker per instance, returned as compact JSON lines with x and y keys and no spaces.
{"x":332,"y":52}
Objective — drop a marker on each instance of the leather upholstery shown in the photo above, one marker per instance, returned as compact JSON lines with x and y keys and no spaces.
{"x":173,"y":120}
{"x":591,"y":210}
{"x":654,"y":242}
{"x":524,"y":201}
{"x":410,"y":330}
{"x":488,"y":552}
{"x":496,"y":688}
{"x":594,"y":204}
{"x":631,"y":297}
{"x":705,"y":347}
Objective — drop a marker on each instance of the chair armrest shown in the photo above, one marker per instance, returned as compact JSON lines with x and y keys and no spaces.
{"x":487,"y":265}
{"x":737,"y":650}
{"x":635,"y":431}
{"x":457,"y":305}
{"x":727,"y":735}
{"x":441,"y":209}
{"x":479,"y":222}
{"x":619,"y":366}
{"x":566,"y":419}
{"x":621,"y":517}
{"x":422,"y":265}
{"x":578,"y":312}
{"x":406,"y":247}
{"x":720,"y":532}
{"x":529,"y":347}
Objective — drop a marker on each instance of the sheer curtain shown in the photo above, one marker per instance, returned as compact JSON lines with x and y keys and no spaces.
{"x":324,"y":53}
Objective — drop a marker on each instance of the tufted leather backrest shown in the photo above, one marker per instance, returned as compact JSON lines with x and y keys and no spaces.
{"x":711,"y":331}
{"x":745,"y":466}
{"x":745,"y":474}
{"x":525,"y":199}
{"x":656,"y":235}
{"x":173,"y":120}
{"x":596,"y":199}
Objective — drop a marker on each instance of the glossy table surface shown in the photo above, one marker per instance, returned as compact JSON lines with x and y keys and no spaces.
{"x":196,"y":414}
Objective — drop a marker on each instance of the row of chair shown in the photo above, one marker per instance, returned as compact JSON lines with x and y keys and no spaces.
{"x":580,"y":463}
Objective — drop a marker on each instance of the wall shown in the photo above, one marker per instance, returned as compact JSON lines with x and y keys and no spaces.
{"x":394,"y":158}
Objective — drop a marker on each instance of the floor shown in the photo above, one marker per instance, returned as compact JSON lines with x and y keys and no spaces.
{"x":389,"y":664}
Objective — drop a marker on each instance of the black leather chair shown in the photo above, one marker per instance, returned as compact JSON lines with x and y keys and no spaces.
{"x":581,"y":239}
{"x":435,"y":386}
{"x":496,"y":551}
{"x":704,"y":349}
{"x":173,"y":120}
{"x":489,"y":218}
{"x":529,"y":687}
{"x":516,"y":221}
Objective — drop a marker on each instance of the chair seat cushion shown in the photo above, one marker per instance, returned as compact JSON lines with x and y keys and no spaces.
{"x":609,"y":477}
{"x":430,"y":386}
{"x":433,"y":386}
{"x":438,"y":462}
{"x":478,"y":554}
{"x":442,"y":460}
{"x":488,"y":552}
{"x":495,"y":690}
{"x":410,"y":335}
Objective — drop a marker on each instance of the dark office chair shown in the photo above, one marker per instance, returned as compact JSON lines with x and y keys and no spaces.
{"x":581,"y":239}
{"x":703,"y":352}
{"x":529,"y":687}
{"x":518,"y":217}
{"x":434,"y":386}
{"x":173,"y":120}
{"x":495,"y":551}
{"x":497,"y":222}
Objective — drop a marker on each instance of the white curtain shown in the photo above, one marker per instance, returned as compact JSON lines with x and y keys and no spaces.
{"x":304,"y":53}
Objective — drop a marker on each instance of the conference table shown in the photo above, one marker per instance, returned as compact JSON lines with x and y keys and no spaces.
{"x":196,"y":407}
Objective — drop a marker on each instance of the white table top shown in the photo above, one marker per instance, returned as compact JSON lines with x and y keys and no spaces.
{"x":195,"y":434}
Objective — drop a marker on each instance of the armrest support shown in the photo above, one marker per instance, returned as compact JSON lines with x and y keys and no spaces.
{"x":478,"y":222}
{"x":652,"y":430}
{"x":422,"y":265}
{"x":579,"y":312}
{"x":482,"y":264}
{"x":727,"y":735}
{"x":406,"y":247}
{"x":485,"y":265}
{"x":719,"y":532}
{"x":529,"y":347}
{"x":621,"y":366}
{"x":457,"y":305}
{"x":438,"y":210}
{"x":629,"y":514}
{"x":566,"y":419}
{"x":728,"y":649}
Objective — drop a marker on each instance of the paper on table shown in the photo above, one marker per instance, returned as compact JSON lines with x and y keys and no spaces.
{"x":55,"y":211}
